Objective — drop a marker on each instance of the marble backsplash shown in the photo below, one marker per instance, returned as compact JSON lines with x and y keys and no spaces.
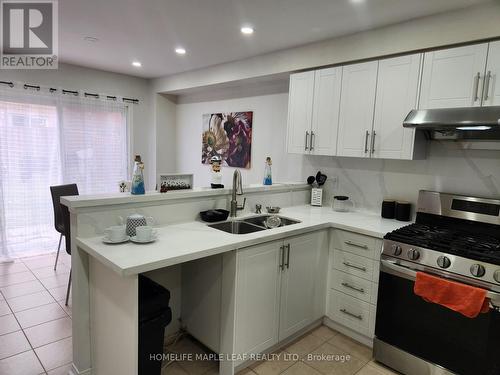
{"x":447,"y":168}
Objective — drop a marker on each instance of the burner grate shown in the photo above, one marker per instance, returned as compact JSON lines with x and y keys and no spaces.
{"x":470,"y":245}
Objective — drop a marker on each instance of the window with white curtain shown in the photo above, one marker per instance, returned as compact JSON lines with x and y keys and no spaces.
{"x":50,"y":140}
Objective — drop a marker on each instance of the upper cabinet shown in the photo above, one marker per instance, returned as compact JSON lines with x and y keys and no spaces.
{"x":397,"y":94}
{"x":300,"y":103}
{"x":491,"y":91}
{"x":313,"y":109}
{"x":357,"y":110}
{"x":325,"y":119}
{"x":359,"y":84}
{"x":454,"y":77}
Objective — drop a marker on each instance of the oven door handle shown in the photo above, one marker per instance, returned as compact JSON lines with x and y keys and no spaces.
{"x":397,"y":270}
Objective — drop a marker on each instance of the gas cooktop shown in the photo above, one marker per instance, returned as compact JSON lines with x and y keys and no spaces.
{"x":455,"y":235}
{"x":447,"y":240}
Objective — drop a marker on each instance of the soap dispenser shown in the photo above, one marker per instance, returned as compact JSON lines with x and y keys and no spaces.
{"x":268,"y":179}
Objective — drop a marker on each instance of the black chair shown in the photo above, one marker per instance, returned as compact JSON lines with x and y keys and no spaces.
{"x":61,"y":220}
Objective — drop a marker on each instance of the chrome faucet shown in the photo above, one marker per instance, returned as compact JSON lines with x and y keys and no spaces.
{"x":237,"y":190}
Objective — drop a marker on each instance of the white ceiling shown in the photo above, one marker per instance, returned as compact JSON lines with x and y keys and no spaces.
{"x":149,"y":30}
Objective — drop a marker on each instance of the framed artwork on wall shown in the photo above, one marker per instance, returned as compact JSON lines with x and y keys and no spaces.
{"x":229,"y":136}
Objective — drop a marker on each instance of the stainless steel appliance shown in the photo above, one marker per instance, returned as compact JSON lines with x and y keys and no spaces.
{"x":454,"y":237}
{"x":471,"y":123}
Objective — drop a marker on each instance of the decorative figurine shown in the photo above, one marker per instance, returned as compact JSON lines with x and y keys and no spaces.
{"x":123,"y":186}
{"x":138,"y":177}
{"x":163,"y":187}
{"x":268,"y":178}
{"x":216,"y":172}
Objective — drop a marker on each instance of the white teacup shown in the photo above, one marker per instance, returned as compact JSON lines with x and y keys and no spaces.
{"x":115,"y":233}
{"x":145,"y":233}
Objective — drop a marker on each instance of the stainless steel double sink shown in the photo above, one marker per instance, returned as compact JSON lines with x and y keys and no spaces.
{"x":249,"y":225}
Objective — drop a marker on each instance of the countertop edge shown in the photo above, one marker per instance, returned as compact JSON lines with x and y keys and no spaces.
{"x":221,"y":249}
{"x":82,"y":201}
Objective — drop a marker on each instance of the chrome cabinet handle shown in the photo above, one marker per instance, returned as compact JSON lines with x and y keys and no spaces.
{"x":366,"y":141}
{"x":476,"y":86}
{"x":282,"y":254}
{"x":361,"y":290}
{"x":350,"y":243}
{"x":344,"y":311}
{"x":487,"y":86}
{"x":313,"y":138}
{"x":287,"y":264}
{"x":373,"y":141}
{"x":347,"y":264}
{"x":307,"y":140}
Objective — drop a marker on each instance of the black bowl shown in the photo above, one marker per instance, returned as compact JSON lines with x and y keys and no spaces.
{"x":211,"y":216}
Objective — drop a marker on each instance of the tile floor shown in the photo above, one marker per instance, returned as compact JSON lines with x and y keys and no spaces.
{"x":35,"y":333}
{"x":320,"y":352}
{"x":35,"y":325}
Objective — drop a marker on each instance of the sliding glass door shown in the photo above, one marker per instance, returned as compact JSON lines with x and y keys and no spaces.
{"x":48,"y":141}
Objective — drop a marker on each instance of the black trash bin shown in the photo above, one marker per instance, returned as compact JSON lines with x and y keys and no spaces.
{"x":154,"y":316}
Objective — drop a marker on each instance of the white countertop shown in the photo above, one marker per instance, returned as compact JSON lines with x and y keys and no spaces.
{"x":183,"y":242}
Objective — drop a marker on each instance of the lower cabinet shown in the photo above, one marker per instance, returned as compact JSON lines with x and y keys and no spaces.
{"x":278,"y":288}
{"x":353,"y":281}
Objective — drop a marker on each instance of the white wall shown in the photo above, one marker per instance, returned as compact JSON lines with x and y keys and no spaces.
{"x":269,"y":123}
{"x":446,"y":168}
{"x":73,"y":77}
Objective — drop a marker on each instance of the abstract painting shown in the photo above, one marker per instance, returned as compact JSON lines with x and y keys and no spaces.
{"x":228,"y":136}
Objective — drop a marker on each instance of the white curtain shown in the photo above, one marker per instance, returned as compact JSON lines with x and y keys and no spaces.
{"x":50,"y":139}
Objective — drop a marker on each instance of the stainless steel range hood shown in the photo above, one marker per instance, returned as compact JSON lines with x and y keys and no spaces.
{"x":471,"y":123}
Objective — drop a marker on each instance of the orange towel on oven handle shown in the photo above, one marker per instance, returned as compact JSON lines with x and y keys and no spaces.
{"x":462,"y":298}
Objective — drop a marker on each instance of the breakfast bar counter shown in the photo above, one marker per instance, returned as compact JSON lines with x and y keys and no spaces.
{"x":105,"y":277}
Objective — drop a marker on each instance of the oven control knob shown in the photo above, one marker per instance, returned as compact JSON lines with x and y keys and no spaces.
{"x":496,"y":276}
{"x":413,"y":254}
{"x":477,"y":270}
{"x":396,"y":249}
{"x":443,"y":262}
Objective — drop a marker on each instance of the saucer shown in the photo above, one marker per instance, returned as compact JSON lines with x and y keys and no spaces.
{"x":107,"y":240}
{"x":152,"y":239}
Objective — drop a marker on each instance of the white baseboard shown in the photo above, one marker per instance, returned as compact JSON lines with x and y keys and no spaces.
{"x":75,"y":371}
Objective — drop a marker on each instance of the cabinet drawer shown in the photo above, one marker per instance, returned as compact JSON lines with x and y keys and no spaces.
{"x":376,"y":271}
{"x":352,"y":285}
{"x":374,"y":297}
{"x":358,"y":244}
{"x":350,"y":311}
{"x":353,"y":264}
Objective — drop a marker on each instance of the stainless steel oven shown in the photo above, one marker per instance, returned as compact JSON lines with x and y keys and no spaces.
{"x":420,"y":338}
{"x":416,"y":337}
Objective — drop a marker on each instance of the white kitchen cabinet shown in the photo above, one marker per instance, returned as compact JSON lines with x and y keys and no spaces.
{"x":325,"y":116}
{"x":397,"y":94}
{"x":300,"y":104}
{"x":357,"y":101}
{"x":353,"y":281}
{"x":257,"y":297}
{"x":453,"y":77}
{"x":313,"y":111}
{"x":276,"y":289}
{"x":298,"y":282}
{"x":491,"y":91}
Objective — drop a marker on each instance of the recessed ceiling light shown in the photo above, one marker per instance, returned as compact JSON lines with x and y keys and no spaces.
{"x":137,"y":64}
{"x":247,"y":30}
{"x":357,"y":1}
{"x":91,"y":39}
{"x":180,"y":51}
